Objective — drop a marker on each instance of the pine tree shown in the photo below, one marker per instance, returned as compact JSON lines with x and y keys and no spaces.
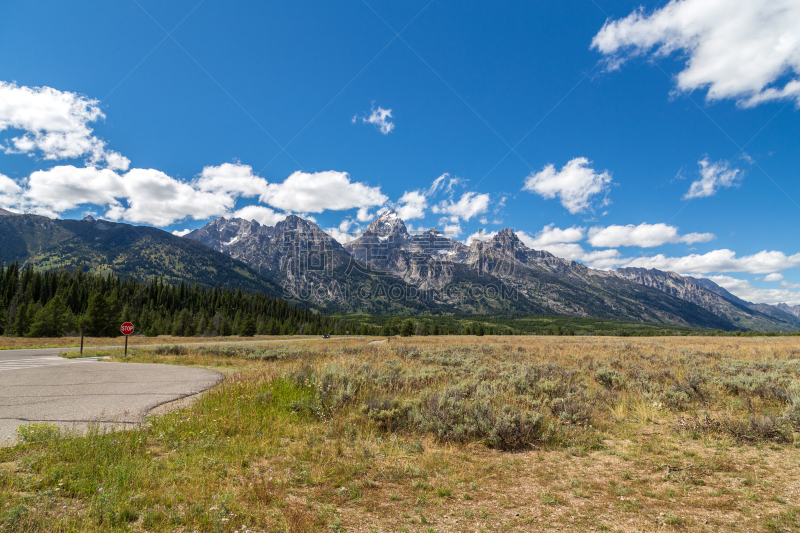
{"x":101,"y":318}
{"x":248,"y":326}
{"x":182,"y":325}
{"x":22,"y":320}
{"x":50,"y":320}
{"x":407,"y":329}
{"x":422,"y":329}
{"x":225,"y":329}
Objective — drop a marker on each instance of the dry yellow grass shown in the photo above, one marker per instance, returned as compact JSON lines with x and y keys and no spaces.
{"x":16,"y":343}
{"x":255,"y":455}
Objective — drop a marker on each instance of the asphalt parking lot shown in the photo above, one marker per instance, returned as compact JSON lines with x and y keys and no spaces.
{"x":39,"y":386}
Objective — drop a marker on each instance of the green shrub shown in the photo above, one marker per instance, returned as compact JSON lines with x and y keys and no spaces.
{"x":609,"y":378}
{"x":39,"y":432}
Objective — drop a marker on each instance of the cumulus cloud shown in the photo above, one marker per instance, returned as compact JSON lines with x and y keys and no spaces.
{"x":55,"y":124}
{"x":481,"y":236}
{"x":412,"y":205}
{"x":644,"y":235}
{"x":724,"y":260}
{"x":140,"y":195}
{"x":739,"y":49}
{"x":153,"y":197}
{"x":469,"y":205}
{"x":181,"y":233}
{"x":598,"y":259}
{"x":452,"y":231}
{"x":574,"y":185}
{"x":150,"y":196}
{"x":259,"y":213}
{"x":232,"y":178}
{"x":363,"y":214}
{"x":551,"y":235}
{"x":8,"y":186}
{"x":343,"y":233}
{"x":316,"y":192}
{"x":714,"y":176}
{"x":746,"y":291}
{"x":380,"y":117}
{"x":773,"y":277}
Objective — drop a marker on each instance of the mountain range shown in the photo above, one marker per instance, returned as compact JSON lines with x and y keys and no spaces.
{"x":499,"y":275}
{"x":140,"y":252}
{"x":386,"y":270}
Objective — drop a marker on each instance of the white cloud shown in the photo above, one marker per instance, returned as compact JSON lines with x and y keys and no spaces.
{"x":381,"y":118}
{"x":552,"y":235}
{"x":8,"y":186}
{"x":343,"y":236}
{"x":141,"y":195}
{"x":181,"y":233}
{"x":10,"y":193}
{"x":599,"y":259}
{"x":773,"y":277}
{"x":156,"y":198}
{"x":469,"y":205}
{"x":232,"y":178}
{"x":574,"y":185}
{"x":412,"y":205}
{"x":55,"y":123}
{"x":603,"y":259}
{"x":644,"y":235}
{"x":346,"y":224}
{"x":62,"y":188}
{"x":740,"y":49}
{"x":316,"y":192}
{"x":720,"y":261}
{"x":263,"y":215}
{"x":713,"y":177}
{"x":363,"y":214}
{"x":481,"y":235}
{"x":744,"y":290}
{"x":437,"y":184}
{"x":788,"y":285}
{"x":452,"y":231}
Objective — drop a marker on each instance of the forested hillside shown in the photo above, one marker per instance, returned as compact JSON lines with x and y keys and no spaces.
{"x":57,"y":302}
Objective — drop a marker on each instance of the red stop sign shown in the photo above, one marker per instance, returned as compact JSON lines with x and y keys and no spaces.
{"x":126,"y":328}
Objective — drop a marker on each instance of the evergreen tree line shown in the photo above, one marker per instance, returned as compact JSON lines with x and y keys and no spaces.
{"x":57,"y":303}
{"x":409,"y":327}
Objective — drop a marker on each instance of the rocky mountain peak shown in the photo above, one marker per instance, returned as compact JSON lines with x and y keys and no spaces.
{"x":88,"y":218}
{"x":506,"y":234}
{"x":791,"y":309}
{"x":388,"y":224}
{"x":294,"y":222}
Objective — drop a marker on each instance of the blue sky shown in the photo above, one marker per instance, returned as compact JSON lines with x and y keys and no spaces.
{"x":663,"y":138}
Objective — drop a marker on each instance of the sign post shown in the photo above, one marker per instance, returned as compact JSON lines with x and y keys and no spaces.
{"x":126,"y":329}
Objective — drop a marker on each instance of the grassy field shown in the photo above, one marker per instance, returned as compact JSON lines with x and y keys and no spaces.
{"x":440,"y":434}
{"x":17,"y":343}
{"x":532,"y":325}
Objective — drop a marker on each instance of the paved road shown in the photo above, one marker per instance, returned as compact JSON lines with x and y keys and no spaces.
{"x":74,"y":393}
{"x":38,"y":386}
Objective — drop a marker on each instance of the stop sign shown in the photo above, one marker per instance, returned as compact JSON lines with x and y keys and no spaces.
{"x":126,"y":328}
